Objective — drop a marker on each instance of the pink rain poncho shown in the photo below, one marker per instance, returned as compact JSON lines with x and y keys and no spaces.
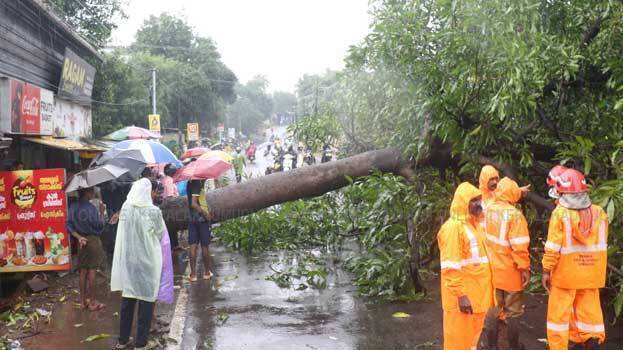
{"x":137,"y":263}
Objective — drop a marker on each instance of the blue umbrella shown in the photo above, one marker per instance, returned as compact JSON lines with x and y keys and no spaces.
{"x":151,"y":151}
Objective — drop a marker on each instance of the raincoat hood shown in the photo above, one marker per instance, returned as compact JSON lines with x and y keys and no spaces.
{"x":140,"y":194}
{"x":487,"y":173}
{"x":459,"y":209}
{"x":508,"y":191}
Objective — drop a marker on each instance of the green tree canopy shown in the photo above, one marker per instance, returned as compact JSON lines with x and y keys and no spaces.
{"x":94,"y":19}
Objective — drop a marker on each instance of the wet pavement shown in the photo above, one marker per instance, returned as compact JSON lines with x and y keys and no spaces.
{"x":240,"y":309}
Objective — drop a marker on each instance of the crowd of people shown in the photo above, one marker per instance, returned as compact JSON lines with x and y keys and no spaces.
{"x":285,"y":156}
{"x":120,"y":223}
{"x":485,"y":263}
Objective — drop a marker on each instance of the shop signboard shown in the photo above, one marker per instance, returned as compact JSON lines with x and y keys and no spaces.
{"x":77,"y":78}
{"x":46,"y":111}
{"x":154,"y":123}
{"x":24,"y":107}
{"x":192,"y":130}
{"x":231,"y":133}
{"x":32,"y":221}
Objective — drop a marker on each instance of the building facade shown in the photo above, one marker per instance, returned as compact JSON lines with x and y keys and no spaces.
{"x":45,"y":87}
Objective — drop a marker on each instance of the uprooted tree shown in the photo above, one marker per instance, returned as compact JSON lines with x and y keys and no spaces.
{"x":522,"y":84}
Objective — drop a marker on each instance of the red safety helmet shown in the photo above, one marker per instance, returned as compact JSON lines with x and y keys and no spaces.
{"x":571,"y":181}
{"x":554,"y":175}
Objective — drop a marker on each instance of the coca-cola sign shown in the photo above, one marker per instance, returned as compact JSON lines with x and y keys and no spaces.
{"x":25,"y":107}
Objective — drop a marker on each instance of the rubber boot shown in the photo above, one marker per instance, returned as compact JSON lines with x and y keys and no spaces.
{"x":512,"y":328}
{"x":592,"y":344}
{"x":489,"y":335}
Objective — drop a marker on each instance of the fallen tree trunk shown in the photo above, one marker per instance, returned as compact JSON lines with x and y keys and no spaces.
{"x":248,"y":197}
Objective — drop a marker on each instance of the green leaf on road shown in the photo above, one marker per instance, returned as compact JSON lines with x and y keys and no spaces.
{"x":96,"y":337}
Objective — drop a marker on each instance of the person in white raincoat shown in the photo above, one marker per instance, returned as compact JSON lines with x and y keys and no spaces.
{"x":137,"y":263}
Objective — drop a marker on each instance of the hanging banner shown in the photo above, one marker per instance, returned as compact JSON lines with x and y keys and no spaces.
{"x":154,"y":123}
{"x":192,"y":131}
{"x":32,"y":221}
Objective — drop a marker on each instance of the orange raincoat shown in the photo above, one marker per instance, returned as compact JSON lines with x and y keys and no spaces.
{"x":576,"y":256}
{"x":508,"y":238}
{"x":487,"y":173}
{"x":465,"y":271}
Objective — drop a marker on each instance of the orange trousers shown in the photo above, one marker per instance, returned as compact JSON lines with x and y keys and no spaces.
{"x":461,"y":331}
{"x":573,"y":314}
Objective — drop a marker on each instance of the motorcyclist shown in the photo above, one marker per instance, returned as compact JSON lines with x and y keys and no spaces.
{"x":250,"y":151}
{"x":300,"y":155}
{"x":309,"y":157}
{"x":327,"y":153}
{"x":289,"y":159}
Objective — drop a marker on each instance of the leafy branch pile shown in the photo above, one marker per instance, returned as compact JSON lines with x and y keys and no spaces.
{"x":363,"y":226}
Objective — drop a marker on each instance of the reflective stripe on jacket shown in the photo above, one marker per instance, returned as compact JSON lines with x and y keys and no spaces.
{"x":576,"y":260}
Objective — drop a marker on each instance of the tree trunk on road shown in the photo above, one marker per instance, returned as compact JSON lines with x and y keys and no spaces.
{"x":248,"y":197}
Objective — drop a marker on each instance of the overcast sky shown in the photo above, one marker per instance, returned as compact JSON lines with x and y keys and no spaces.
{"x":281,"y":39}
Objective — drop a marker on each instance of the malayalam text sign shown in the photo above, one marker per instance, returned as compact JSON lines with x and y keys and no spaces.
{"x":32,"y":221}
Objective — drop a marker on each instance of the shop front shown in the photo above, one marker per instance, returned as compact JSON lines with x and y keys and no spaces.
{"x":47,"y":131}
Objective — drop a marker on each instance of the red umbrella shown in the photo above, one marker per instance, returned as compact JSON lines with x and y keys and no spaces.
{"x":194,"y":152}
{"x":202,"y":169}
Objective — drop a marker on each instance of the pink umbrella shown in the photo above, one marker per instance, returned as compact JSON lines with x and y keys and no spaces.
{"x":194,"y":152}
{"x":202,"y":169}
{"x":131,"y":133}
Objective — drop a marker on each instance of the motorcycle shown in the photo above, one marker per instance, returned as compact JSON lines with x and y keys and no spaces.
{"x":288,"y":162}
{"x":308,"y":158}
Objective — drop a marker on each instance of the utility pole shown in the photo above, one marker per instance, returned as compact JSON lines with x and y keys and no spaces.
{"x":316,"y":99}
{"x":179,"y":128}
{"x":153,"y":91}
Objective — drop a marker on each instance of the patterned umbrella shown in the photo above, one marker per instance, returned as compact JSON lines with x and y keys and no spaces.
{"x":147,"y":151}
{"x":194,"y":152}
{"x":202,"y":169}
{"x":131,"y":133}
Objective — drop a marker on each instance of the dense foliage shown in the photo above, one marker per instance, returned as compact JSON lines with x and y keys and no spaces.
{"x":93,"y":19}
{"x":527,"y":83}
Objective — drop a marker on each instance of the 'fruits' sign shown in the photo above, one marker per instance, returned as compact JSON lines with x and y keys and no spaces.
{"x":32,"y":221}
{"x":23,"y":193}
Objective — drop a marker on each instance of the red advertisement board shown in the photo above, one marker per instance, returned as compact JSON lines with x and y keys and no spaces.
{"x":32,"y":221}
{"x":25,"y":107}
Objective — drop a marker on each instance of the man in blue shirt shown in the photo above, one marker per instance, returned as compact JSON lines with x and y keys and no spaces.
{"x":86,"y":224}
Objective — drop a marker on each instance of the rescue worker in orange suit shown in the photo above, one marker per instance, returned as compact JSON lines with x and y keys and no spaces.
{"x":508,"y":240}
{"x":574,"y":266}
{"x":487,"y":183}
{"x":466,"y":289}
